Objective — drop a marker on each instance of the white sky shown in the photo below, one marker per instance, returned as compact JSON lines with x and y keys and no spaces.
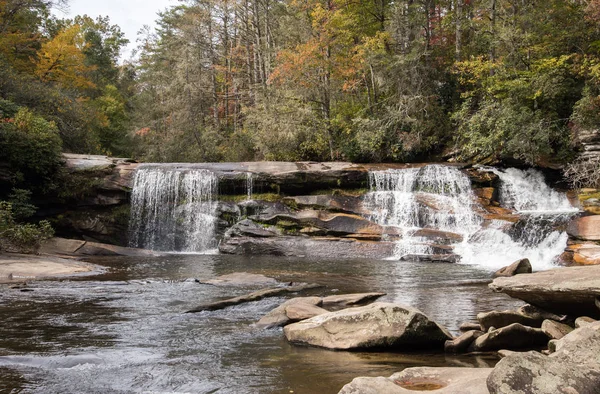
{"x":130,"y":15}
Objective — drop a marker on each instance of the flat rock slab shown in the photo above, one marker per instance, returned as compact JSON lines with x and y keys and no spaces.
{"x":26,"y":267}
{"x":254,"y":296}
{"x":241,"y":279}
{"x":379,"y":325}
{"x":570,"y":290}
{"x":424,"y":379}
{"x":74,"y":247}
{"x":345,"y":300}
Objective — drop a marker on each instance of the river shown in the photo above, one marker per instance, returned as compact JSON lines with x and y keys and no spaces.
{"x":124,"y":331}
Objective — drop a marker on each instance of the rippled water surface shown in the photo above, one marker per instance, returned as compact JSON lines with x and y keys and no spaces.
{"x":124,"y":331}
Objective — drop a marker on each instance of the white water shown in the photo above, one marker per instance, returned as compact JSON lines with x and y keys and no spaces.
{"x":441,"y":198}
{"x":173,"y":210}
{"x":249,"y":185}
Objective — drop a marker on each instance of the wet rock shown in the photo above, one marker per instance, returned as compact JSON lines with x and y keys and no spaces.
{"x":74,"y":247}
{"x":501,"y":319}
{"x":379,"y":325}
{"x":248,"y":228}
{"x":448,"y":258}
{"x":573,"y":368}
{"x":462,"y":343}
{"x":538,"y":313}
{"x":334,"y":203}
{"x":570,"y":290}
{"x":241,"y":279}
{"x":254,"y":296}
{"x":322,"y":247}
{"x":438,"y":237}
{"x":346,"y":300}
{"x":583,"y":321}
{"x":514,"y":336}
{"x":586,"y":228}
{"x":469,"y":327}
{"x":423,"y":379}
{"x":555,"y":330}
{"x":278,"y":317}
{"x":522,"y":266}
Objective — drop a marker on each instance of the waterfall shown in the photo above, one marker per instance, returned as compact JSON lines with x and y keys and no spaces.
{"x":173,"y":209}
{"x":432,"y":197}
{"x":440,"y":198}
{"x":249,"y":185}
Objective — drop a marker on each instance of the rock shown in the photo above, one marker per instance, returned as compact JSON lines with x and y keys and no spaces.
{"x":339,"y":203}
{"x":302,"y":311}
{"x":423,"y":379}
{"x":241,"y":279}
{"x":438,"y":237}
{"x":555,"y":330}
{"x":248,"y":228}
{"x":379,"y":325}
{"x":254,"y":296}
{"x":278,"y":317}
{"x":514,"y":336}
{"x":501,"y":319}
{"x":462,"y":343}
{"x":586,"y":228}
{"x":538,"y":313}
{"x":584,"y":253}
{"x":570,"y":290}
{"x":505,"y":353}
{"x":522,"y":266}
{"x":325,"y":247}
{"x":574,"y":368}
{"x":470,"y":327}
{"x":73,"y":247}
{"x":583,"y":321}
{"x":346,"y":300}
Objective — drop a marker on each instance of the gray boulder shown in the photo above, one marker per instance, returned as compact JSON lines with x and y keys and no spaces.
{"x":501,"y":319}
{"x":278,"y":317}
{"x":423,"y":379}
{"x":379,"y":325}
{"x":574,"y":368}
{"x":522,"y":266}
{"x":346,"y":300}
{"x":583,"y":321}
{"x":514,"y":336}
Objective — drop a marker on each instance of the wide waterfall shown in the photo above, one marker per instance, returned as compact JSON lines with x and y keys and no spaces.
{"x":173,"y":209}
{"x":438,"y":197}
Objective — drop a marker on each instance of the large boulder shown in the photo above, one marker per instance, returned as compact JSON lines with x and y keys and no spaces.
{"x":570,"y":290}
{"x":573,"y":368}
{"x":555,"y":330}
{"x":379,"y":325}
{"x":522,"y":266}
{"x":278,"y":317}
{"x":514,"y":336}
{"x":423,"y":379}
{"x":584,"y":253}
{"x":586,"y":228}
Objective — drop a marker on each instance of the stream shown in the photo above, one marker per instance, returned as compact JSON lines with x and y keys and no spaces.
{"x":123,"y":331}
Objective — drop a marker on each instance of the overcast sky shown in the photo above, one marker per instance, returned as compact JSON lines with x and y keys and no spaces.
{"x":130,"y":15}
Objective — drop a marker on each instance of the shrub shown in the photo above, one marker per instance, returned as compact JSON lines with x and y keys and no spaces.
{"x":21,"y":238}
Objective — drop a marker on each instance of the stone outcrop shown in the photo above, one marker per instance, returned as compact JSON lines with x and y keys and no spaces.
{"x":522,"y":266}
{"x":570,"y":290}
{"x":241,"y":279}
{"x":379,"y":325}
{"x":347,"y":300}
{"x":514,"y":336}
{"x":423,"y":379}
{"x":586,"y":228}
{"x":573,"y":368}
{"x":73,"y":247}
{"x":584,"y":253}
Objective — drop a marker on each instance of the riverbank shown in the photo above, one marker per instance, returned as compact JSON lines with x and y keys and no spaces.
{"x":21,"y":267}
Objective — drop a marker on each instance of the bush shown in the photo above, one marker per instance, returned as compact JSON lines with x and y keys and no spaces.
{"x":21,"y":238}
{"x":584,"y":173}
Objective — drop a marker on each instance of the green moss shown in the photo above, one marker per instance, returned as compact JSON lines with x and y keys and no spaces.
{"x":269,"y":197}
{"x":341,"y":192}
{"x":587,"y":196}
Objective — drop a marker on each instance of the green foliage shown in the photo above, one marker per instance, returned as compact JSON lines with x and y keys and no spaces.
{"x":21,"y":238}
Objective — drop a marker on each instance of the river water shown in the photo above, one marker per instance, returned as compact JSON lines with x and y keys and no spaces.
{"x":123,"y":331}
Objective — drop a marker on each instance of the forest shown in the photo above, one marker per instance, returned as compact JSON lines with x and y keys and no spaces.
{"x":480,"y":81}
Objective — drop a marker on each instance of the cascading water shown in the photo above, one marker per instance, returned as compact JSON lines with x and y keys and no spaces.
{"x":432,"y":197}
{"x":173,"y":209}
{"x":440,"y":197}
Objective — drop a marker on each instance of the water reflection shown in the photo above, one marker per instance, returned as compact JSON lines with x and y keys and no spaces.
{"x":123,"y":331}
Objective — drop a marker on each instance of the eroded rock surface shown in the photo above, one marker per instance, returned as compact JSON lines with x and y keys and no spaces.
{"x":423,"y":379}
{"x":379,"y":325}
{"x":522,"y":266}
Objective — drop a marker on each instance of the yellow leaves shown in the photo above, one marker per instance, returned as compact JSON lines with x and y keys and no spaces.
{"x":61,"y":60}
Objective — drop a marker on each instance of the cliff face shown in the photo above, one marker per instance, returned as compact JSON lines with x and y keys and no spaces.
{"x":589,"y":142}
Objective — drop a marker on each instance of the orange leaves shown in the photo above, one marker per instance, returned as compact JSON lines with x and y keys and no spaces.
{"x":62,"y":60}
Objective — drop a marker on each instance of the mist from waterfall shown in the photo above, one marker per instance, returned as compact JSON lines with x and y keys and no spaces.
{"x":441,"y":198}
{"x":173,"y":209}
